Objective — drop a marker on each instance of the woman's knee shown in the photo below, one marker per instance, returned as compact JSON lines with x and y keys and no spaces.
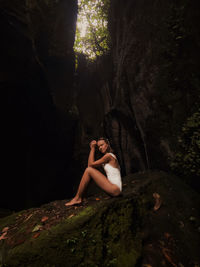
{"x":88,"y":169}
{"x":116,"y":192}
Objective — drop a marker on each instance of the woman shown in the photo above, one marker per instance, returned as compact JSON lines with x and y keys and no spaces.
{"x":112,"y":183}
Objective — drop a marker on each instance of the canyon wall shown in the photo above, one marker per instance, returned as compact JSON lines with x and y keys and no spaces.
{"x":138,"y":95}
{"x":36,"y":75}
{"x":156,"y":86}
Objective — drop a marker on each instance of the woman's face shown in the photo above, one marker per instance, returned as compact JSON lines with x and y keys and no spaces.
{"x":103,"y":146}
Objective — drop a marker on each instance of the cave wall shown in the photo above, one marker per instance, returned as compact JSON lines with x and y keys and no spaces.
{"x":92,"y":83}
{"x":36,"y":76}
{"x":138,"y":96}
{"x":156,"y":84}
{"x":148,"y":86}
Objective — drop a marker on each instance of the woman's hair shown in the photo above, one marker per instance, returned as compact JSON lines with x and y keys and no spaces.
{"x":105,"y":139}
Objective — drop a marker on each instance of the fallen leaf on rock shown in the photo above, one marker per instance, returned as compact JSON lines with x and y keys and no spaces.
{"x":3,"y":236}
{"x":158,"y":201}
{"x":97,"y":199}
{"x":37,"y":228}
{"x":5,"y":229}
{"x":70,"y":216}
{"x":166,"y":253}
{"x":28,"y":217}
{"x":36,"y":235}
{"x":44,"y":219}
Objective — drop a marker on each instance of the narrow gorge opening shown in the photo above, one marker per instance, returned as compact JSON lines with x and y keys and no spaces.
{"x":92,"y":36}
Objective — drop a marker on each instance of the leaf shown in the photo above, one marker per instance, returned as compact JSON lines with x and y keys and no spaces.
{"x":166,"y":253}
{"x":3,"y":236}
{"x":97,"y":199}
{"x":92,"y":36}
{"x":37,"y":228}
{"x":70,"y":216}
{"x":28,"y":217}
{"x":36,"y":235}
{"x":5,"y":229}
{"x":179,"y":37}
{"x":44,"y":219}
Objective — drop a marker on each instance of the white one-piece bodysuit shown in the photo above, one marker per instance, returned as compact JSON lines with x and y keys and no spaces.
{"x":113,"y":174}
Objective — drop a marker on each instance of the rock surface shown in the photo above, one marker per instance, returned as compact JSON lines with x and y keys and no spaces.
{"x":156,"y":59}
{"x":138,"y":96}
{"x":153,"y":84}
{"x":104,"y":231}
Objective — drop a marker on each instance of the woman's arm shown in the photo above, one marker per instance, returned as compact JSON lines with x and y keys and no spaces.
{"x":99,"y":162}
{"x":92,"y":152}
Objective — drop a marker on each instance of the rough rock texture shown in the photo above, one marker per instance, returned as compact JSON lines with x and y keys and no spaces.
{"x":154,"y":82}
{"x":123,"y":231}
{"x":138,"y":96}
{"x":156,"y":85}
{"x":93,"y":80}
{"x":36,"y":73}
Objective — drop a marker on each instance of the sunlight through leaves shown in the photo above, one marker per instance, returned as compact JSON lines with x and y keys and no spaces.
{"x":92,"y":37}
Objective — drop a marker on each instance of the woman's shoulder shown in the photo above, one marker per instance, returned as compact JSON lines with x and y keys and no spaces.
{"x":112,"y":155}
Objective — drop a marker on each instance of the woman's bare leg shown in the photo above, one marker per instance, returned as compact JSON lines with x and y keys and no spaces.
{"x":99,"y":179}
{"x":82,"y":186}
{"x":102,"y":181}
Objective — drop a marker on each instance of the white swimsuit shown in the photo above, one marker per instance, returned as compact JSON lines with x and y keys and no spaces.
{"x":113,"y":173}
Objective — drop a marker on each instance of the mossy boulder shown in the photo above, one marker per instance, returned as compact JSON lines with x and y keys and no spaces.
{"x":105,"y":231}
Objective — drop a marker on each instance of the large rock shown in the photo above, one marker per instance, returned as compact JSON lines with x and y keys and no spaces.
{"x":143,"y":93}
{"x":156,"y":58}
{"x":123,"y":231}
{"x":149,"y":86}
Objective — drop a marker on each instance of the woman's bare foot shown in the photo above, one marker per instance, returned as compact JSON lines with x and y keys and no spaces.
{"x":158,"y":201}
{"x":74,"y":201}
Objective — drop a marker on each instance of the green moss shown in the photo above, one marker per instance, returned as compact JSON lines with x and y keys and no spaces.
{"x":9,"y":220}
{"x":82,"y":240}
{"x":111,"y":232}
{"x":186,"y":161}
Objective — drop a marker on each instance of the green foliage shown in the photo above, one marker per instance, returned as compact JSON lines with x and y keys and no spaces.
{"x":187,"y":159}
{"x":92,"y":37}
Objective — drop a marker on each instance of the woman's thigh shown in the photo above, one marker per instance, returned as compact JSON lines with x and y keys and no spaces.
{"x":102,"y":181}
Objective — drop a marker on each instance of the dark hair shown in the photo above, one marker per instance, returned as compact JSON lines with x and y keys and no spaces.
{"x":105,"y":139}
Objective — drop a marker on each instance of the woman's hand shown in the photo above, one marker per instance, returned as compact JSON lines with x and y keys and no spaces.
{"x":93,"y":144}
